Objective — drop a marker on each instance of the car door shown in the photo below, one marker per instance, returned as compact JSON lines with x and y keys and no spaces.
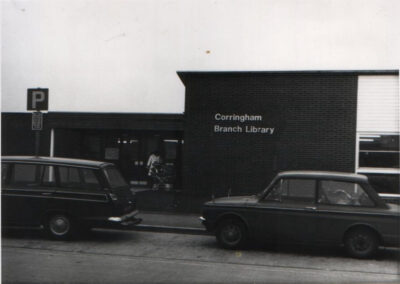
{"x":27,"y":193}
{"x":340,"y":205}
{"x":264,"y":215}
{"x":291,"y":210}
{"x":80,"y":193}
{"x":297,"y":220}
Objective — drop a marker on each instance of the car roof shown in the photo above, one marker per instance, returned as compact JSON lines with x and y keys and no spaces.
{"x":324,"y":175}
{"x":55,"y":160}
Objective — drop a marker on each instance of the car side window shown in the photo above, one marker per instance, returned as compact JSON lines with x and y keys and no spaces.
{"x":25,"y":175}
{"x":90,"y":179}
{"x":343,"y":193}
{"x":78,"y":178}
{"x":276,"y":192}
{"x":32,"y":175}
{"x":4,"y":173}
{"x":48,"y":176}
{"x":69,"y":177}
{"x":299,"y":190}
{"x":293,"y":190}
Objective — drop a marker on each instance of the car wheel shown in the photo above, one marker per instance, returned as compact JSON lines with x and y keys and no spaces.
{"x":231,"y":233}
{"x":361,"y":243}
{"x":60,"y":226}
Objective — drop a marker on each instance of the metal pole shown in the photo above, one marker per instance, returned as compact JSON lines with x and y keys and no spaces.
{"x":37,"y":142}
{"x":52,"y":142}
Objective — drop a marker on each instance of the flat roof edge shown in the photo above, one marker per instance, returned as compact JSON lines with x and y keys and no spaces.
{"x":183,"y":74}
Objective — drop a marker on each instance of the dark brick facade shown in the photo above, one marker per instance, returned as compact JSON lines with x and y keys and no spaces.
{"x":313,"y":116}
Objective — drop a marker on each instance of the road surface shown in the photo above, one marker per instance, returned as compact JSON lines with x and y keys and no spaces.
{"x":112,"y":256}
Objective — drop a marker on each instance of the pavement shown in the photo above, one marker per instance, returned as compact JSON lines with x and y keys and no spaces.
{"x":169,"y":211}
{"x":170,"y":222}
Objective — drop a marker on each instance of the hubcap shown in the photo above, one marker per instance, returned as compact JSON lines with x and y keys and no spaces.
{"x":59,"y":225}
{"x":231,"y":234}
{"x":361,"y":243}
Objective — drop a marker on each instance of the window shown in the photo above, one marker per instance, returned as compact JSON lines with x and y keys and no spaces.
{"x":25,"y":174}
{"x":48,"y":176}
{"x":378,"y":158}
{"x":115,"y":178}
{"x":69,"y":177}
{"x":32,"y":175}
{"x":4,"y":173}
{"x":379,"y":151}
{"x":90,"y":179}
{"x":299,"y":190}
{"x":276,"y":192}
{"x":78,"y":178}
{"x":343,"y":193}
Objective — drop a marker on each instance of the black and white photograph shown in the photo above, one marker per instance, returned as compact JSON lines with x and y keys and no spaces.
{"x":200,"y":141}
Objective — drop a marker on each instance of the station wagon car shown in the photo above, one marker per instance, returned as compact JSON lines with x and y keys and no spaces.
{"x":64,"y":195}
{"x":308,"y":207}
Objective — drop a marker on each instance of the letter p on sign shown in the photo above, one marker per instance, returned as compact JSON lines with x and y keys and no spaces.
{"x":38,"y":99}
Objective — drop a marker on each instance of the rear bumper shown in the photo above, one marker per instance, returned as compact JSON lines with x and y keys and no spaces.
{"x":126,"y":219}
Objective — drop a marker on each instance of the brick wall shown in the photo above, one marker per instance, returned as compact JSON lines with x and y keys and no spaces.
{"x":313,"y":116}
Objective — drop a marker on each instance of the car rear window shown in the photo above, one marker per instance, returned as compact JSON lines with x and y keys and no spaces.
{"x":343,"y":193}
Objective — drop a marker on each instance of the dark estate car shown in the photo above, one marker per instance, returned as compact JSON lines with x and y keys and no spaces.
{"x":308,"y":207}
{"x":62,"y":195}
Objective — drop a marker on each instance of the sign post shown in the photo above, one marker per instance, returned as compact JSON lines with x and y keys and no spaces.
{"x":38,"y":99}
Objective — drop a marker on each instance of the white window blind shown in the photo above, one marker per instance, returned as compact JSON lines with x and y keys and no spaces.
{"x":378,"y":104}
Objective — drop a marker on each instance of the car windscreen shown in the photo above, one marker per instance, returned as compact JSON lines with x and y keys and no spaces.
{"x":115,"y":178}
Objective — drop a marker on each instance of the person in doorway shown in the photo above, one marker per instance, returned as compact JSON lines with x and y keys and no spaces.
{"x":152,"y":163}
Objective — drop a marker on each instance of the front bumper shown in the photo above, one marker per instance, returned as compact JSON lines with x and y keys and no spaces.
{"x":206,"y":224}
{"x":126,"y":220}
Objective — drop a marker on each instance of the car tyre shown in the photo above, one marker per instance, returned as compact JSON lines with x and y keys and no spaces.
{"x":361,"y":243}
{"x":231,"y":233}
{"x":60,"y":226}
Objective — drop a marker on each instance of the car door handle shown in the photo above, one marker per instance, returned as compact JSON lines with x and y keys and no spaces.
{"x":47,"y":193}
{"x":311,"y":208}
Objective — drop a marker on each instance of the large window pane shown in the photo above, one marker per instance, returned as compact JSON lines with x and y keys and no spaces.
{"x":379,"y":151}
{"x":379,"y":142}
{"x":379,"y":159}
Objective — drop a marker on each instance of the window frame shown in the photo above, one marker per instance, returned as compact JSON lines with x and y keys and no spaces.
{"x":372,"y":170}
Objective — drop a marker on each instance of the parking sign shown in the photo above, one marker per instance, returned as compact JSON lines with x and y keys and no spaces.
{"x":38,"y":99}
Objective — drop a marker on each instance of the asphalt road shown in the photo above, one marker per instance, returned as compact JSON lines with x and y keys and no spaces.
{"x":111,"y":256}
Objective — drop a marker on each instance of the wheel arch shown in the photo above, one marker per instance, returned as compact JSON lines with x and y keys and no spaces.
{"x":50,"y":213}
{"x":231,"y":215}
{"x":363,"y":226}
